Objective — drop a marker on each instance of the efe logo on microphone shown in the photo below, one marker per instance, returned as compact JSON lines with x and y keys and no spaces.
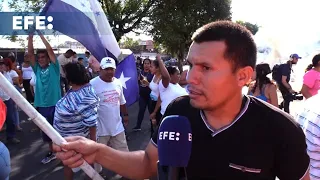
{"x":172,"y":136}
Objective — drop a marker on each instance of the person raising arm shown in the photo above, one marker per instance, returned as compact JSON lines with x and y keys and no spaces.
{"x":46,"y":70}
{"x":49,"y":49}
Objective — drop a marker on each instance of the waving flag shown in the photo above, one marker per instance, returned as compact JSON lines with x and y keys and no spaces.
{"x":84,"y":21}
{"x":127,"y":73}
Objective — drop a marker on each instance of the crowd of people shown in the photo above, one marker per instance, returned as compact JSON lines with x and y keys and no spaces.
{"x":243,"y":136}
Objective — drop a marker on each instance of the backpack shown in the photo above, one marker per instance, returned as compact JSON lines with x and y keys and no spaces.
{"x":276,"y":72}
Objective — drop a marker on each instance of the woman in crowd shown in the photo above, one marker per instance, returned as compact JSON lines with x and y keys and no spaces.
{"x":18,"y":85}
{"x":144,"y":79}
{"x":155,"y":116}
{"x":4,"y":152}
{"x":15,"y":81}
{"x":11,"y":108}
{"x":183,"y":78}
{"x":311,"y":80}
{"x":262,"y":87}
{"x":169,"y":88}
{"x":76,"y":113}
{"x":26,"y":76}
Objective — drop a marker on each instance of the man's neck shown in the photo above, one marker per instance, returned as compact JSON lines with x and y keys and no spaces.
{"x":225,"y":114}
{"x":76,"y":87}
{"x":45,"y":67}
{"x":106,"y":80}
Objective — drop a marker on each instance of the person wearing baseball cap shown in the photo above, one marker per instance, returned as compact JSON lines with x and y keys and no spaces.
{"x":295,"y":56}
{"x":112,"y":106}
{"x":283,"y":81}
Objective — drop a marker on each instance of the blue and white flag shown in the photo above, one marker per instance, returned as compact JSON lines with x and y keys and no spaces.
{"x":84,"y":21}
{"x":127,"y":73}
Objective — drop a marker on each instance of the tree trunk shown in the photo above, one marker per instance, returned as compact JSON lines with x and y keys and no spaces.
{"x":181,"y":58}
{"x":180,"y":62}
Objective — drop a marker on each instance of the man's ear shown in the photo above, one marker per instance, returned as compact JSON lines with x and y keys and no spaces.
{"x":244,"y":75}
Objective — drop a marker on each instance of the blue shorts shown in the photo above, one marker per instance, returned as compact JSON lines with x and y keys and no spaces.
{"x":48,"y":113}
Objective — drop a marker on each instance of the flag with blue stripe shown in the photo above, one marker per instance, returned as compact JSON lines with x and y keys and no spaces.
{"x":86,"y":22}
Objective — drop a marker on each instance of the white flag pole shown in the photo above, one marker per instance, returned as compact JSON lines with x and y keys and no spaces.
{"x":41,"y":122}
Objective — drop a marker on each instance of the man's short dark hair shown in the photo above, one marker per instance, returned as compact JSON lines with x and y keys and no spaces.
{"x":87,"y":52}
{"x":80,"y":59}
{"x":69,"y":51}
{"x":241,"y":49}
{"x":171,"y":70}
{"x":42,"y":51}
{"x":76,"y":73}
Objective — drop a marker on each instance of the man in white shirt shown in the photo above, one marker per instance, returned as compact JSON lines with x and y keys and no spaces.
{"x":309,"y":120}
{"x":64,"y":59}
{"x":112,"y":105}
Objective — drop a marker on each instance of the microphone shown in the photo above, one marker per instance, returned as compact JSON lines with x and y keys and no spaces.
{"x":174,"y":147}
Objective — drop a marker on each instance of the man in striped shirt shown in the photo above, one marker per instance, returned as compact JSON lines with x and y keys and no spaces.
{"x":309,"y":120}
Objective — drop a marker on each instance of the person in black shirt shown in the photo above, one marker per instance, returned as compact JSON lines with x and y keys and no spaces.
{"x":234,"y":136}
{"x":145,"y":77}
{"x":283,"y":82}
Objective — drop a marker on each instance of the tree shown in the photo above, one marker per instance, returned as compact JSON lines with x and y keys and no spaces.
{"x":1,"y":5}
{"x":251,"y":27}
{"x":27,"y":5}
{"x":131,"y":44}
{"x":174,"y":21}
{"x":124,"y":16}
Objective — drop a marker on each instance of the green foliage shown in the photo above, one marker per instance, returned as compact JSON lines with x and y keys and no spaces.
{"x":251,"y":27}
{"x":27,"y":5}
{"x":126,"y":16}
{"x":1,"y":5}
{"x":174,"y":21}
{"x":131,"y":44}
{"x":15,"y":38}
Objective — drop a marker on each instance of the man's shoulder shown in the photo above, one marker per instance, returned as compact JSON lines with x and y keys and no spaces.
{"x":272,"y":116}
{"x":54,"y":67}
{"x":311,"y":73}
{"x":93,"y":81}
{"x":61,"y":57}
{"x":181,"y":106}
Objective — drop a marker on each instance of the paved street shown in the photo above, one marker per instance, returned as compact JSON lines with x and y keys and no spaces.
{"x":26,"y":156}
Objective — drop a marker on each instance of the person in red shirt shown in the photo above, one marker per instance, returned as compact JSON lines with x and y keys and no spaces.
{"x":4,"y":155}
{"x":3,"y":113}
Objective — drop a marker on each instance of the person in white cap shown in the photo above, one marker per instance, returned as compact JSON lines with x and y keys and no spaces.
{"x":112,"y":105}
